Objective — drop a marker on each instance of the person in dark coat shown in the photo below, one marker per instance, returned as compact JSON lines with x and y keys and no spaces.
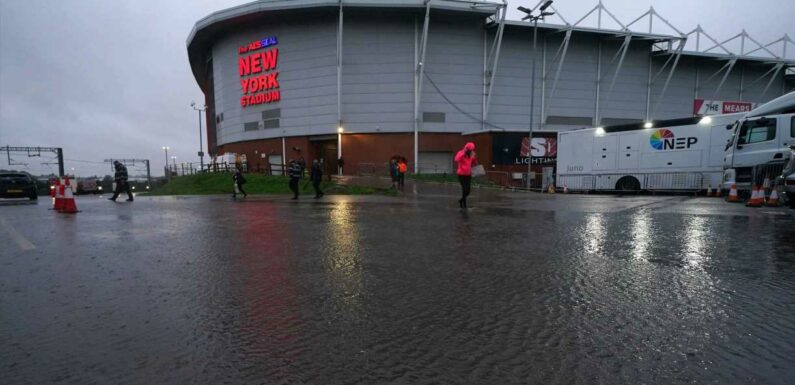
{"x":239,"y":180}
{"x":120,"y":177}
{"x":393,"y":172}
{"x":316,"y":176}
{"x":294,"y":171}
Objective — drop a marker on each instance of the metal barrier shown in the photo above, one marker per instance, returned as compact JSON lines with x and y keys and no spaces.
{"x":382,"y":169}
{"x":770,"y":172}
{"x":674,"y":181}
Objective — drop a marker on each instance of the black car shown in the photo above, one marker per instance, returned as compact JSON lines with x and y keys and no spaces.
{"x":18,"y":185}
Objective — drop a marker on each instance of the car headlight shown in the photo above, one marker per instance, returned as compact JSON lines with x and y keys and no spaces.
{"x":99,"y":188}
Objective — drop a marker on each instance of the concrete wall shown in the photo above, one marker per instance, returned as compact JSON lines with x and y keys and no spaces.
{"x":378,"y":71}
{"x":307,"y":77}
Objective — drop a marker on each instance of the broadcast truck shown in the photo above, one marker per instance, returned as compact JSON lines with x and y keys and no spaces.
{"x":759,"y":146}
{"x":674,"y":155}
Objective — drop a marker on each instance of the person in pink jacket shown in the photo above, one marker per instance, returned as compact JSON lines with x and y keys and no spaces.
{"x":465,"y":158}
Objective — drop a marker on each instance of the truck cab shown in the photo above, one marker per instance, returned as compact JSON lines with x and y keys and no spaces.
{"x":759,"y":145}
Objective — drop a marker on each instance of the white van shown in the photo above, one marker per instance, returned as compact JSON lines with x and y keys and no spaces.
{"x":759,"y":145}
{"x":677,"y":154}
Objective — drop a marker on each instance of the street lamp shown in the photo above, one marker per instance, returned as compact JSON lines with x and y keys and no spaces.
{"x":533,"y":18}
{"x":166,"y":148}
{"x":201,"y":149}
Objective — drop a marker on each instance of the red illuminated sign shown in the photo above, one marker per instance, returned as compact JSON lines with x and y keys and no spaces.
{"x":716,"y":107}
{"x":257,"y":84}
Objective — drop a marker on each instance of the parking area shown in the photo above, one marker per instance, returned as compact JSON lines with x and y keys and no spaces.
{"x":522,"y":288}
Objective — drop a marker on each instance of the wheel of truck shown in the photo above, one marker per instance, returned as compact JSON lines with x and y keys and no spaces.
{"x":628,"y":183}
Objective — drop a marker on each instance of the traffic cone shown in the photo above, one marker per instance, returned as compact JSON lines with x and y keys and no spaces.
{"x":733,"y":197}
{"x":709,"y":191}
{"x":59,"y":192}
{"x":551,"y":189}
{"x":757,"y":198}
{"x":69,"y":206}
{"x":773,"y":200}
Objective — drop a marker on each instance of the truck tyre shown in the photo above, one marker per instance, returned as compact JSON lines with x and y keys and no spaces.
{"x":628,"y":183}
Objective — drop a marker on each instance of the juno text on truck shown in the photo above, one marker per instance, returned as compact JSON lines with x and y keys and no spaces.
{"x":677,"y":154}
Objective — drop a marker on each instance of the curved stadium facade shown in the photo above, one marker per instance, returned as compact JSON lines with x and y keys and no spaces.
{"x":282,"y":77}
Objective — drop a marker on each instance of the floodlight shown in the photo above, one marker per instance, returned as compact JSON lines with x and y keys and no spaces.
{"x":545,"y":6}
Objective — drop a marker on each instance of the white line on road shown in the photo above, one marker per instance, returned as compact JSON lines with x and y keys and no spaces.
{"x":21,"y":241}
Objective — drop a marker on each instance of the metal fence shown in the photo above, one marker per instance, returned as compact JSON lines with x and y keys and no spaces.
{"x":382,"y":168}
{"x":673,"y":181}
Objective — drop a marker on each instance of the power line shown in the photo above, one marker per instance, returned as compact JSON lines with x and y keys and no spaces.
{"x":450,"y":102}
{"x":84,"y":161}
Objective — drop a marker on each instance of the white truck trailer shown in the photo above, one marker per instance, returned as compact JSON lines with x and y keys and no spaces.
{"x":677,"y":154}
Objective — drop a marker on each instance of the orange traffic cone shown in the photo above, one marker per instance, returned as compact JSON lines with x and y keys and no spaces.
{"x":733,"y":197}
{"x":551,"y":189}
{"x":709,"y":191}
{"x":757,"y":198}
{"x":69,"y":206}
{"x":59,"y":191}
{"x":773,"y":200}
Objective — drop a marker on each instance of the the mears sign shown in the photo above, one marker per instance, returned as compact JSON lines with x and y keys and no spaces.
{"x":718,"y":107}
{"x":664,"y":139}
{"x":259,"y":80}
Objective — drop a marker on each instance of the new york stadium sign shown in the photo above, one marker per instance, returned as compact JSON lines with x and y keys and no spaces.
{"x":257,"y":69}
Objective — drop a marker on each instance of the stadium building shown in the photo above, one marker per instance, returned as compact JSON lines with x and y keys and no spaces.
{"x":364,"y":80}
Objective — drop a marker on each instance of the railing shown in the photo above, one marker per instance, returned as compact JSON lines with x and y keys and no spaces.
{"x":382,"y":168}
{"x":678,"y":181}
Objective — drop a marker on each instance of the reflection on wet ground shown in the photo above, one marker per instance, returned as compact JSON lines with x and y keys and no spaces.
{"x":574,"y":290}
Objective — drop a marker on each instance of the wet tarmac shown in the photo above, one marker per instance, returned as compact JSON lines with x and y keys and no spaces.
{"x":521,"y":289}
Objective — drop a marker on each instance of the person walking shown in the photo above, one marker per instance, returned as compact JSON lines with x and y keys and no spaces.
{"x":120,"y":177}
{"x":402,"y":168}
{"x":393,"y":171}
{"x":316,"y":176}
{"x":239,"y":180}
{"x":294,"y":171}
{"x":465,"y":158}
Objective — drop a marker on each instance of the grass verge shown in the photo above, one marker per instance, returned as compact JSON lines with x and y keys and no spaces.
{"x":221,"y":183}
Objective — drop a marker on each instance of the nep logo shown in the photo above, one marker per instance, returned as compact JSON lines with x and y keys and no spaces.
{"x":664,"y":139}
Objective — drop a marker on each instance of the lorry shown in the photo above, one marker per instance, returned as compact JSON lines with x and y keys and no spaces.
{"x":675,"y":155}
{"x":758,"y":148}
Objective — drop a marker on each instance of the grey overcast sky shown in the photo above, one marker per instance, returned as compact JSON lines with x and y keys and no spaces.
{"x":110,"y":78}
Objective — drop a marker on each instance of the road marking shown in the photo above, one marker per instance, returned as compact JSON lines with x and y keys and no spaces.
{"x":21,"y":241}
